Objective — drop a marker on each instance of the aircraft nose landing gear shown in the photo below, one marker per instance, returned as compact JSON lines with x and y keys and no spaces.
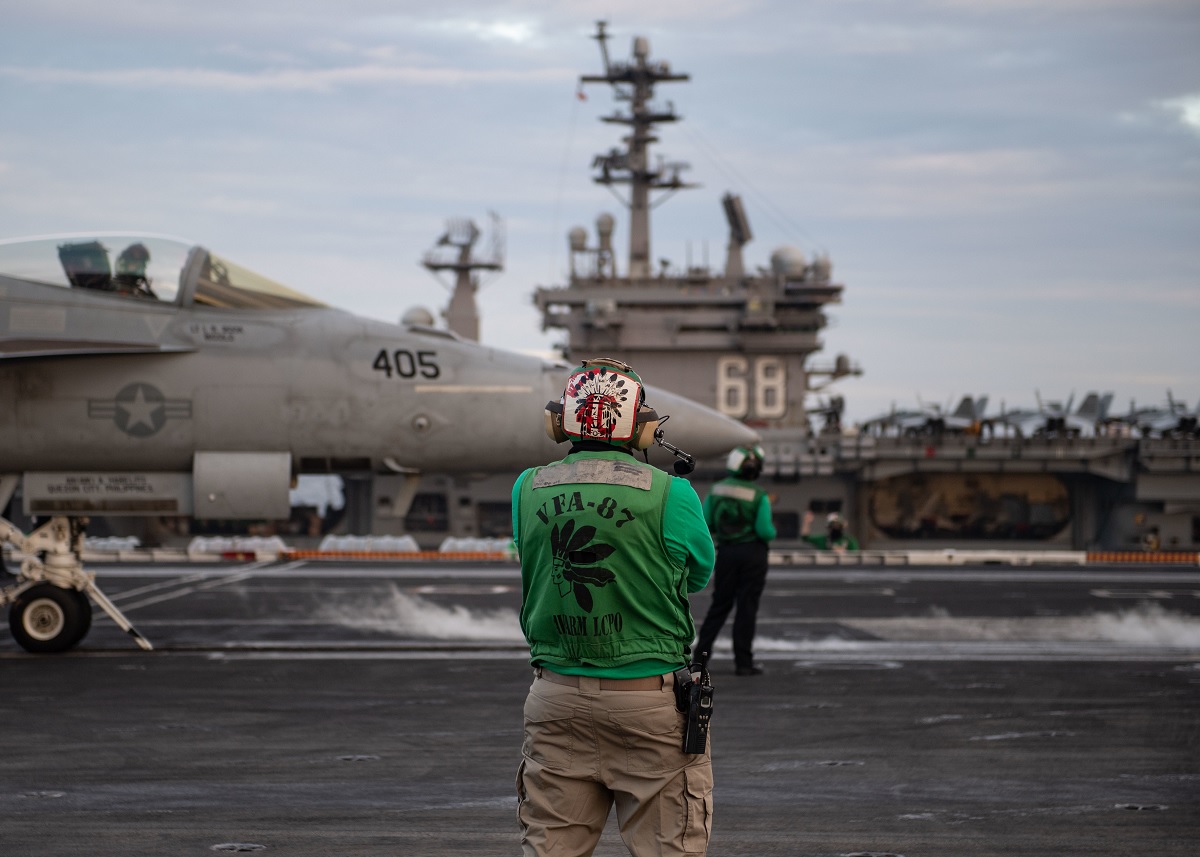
{"x":47,"y":618}
{"x":49,"y":609}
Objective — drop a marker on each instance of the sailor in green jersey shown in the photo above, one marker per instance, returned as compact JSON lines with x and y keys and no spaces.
{"x":610,"y":548}
{"x":835,"y":538}
{"x":738,"y":513}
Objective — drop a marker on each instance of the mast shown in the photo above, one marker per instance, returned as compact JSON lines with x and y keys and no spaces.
{"x":737,"y":339}
{"x":634,"y":82}
{"x":462,"y":314}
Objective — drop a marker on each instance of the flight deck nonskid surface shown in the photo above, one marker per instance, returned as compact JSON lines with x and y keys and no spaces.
{"x":317,"y":709}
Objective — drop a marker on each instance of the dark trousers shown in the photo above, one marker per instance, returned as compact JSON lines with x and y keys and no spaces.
{"x":739,"y":578}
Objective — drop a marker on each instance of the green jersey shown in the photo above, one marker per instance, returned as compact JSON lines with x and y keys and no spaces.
{"x":738,"y":511}
{"x":610,"y":548}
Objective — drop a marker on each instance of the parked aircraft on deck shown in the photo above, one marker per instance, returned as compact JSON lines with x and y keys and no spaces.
{"x":1054,"y":419}
{"x":1174,"y":420}
{"x":141,"y":375}
{"x":932,"y":419}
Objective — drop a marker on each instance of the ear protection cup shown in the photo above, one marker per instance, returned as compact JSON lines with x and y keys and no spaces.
{"x":554,"y":422}
{"x":647,"y":423}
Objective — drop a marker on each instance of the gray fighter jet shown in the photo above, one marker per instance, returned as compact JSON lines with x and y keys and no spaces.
{"x":1053,"y":419}
{"x":932,"y":420}
{"x":141,"y":375}
{"x":1172,"y":421}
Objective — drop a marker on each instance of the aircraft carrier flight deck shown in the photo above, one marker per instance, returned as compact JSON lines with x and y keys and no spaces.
{"x":318,"y":708}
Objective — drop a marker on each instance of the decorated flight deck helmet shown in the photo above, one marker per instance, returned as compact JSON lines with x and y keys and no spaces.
{"x":835,"y":525}
{"x":745,"y":462}
{"x":603,"y":401}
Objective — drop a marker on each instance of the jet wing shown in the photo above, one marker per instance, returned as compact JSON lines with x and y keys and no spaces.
{"x":16,"y":349}
{"x":73,"y":327}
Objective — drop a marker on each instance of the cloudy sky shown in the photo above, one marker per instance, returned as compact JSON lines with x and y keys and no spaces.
{"x":1009,"y":189}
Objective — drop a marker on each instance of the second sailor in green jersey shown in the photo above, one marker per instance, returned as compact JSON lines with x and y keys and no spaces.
{"x":738,"y":513}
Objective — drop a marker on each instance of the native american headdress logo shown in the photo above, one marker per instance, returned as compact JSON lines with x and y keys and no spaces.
{"x":574,"y":561}
{"x":601,"y":404}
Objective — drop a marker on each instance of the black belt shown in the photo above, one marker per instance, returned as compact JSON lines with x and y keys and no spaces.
{"x":654,"y":682}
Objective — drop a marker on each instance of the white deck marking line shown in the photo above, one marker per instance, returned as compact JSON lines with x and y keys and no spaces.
{"x":179,"y":581}
{"x":237,"y":577}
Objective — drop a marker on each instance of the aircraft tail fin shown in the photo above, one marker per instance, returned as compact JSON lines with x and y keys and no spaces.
{"x":1089,"y":409}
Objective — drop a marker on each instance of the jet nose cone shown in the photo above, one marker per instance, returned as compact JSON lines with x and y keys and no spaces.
{"x":697,"y":429}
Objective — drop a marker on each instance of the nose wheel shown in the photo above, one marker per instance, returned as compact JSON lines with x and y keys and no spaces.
{"x":49,"y":602}
{"x":46,"y":618}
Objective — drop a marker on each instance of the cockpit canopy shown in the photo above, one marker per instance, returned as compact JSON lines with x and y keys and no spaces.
{"x":144,"y":267}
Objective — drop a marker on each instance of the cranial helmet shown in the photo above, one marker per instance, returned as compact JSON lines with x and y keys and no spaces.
{"x":133,"y":259}
{"x":136,"y":251}
{"x":746,"y":462}
{"x":604,"y":400}
{"x":835,"y":520}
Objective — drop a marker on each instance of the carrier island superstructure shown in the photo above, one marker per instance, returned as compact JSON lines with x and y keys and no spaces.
{"x":741,"y":338}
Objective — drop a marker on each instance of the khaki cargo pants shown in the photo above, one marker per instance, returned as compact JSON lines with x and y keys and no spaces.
{"x":586,"y":748}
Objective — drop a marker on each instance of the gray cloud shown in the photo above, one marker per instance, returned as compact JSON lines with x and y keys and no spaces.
{"x":1186,"y":109}
{"x":1009,"y":189}
{"x":323,"y":80}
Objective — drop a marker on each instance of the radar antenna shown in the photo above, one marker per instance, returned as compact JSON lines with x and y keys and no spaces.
{"x":602,"y":37}
{"x":452,"y":252}
{"x":634,"y":81}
